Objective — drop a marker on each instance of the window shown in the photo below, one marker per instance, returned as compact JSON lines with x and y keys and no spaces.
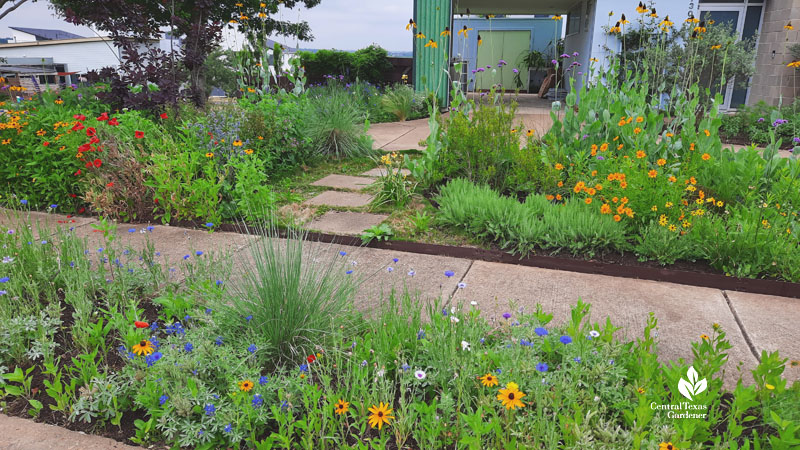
{"x":574,"y":19}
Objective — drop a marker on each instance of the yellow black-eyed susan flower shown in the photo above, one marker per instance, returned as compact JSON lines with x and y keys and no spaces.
{"x":557,"y":17}
{"x":795,"y":64}
{"x":701,"y":27}
{"x":615,"y":29}
{"x":465,"y":31}
{"x":653,"y":13}
{"x":511,"y":396}
{"x":420,"y":35}
{"x":489,"y":380}
{"x":530,"y":133}
{"x":480,"y":40}
{"x":411,"y":24}
{"x":490,"y":16}
{"x":623,"y":20}
{"x":641,"y":8}
{"x":716,"y":47}
{"x":788,"y":26}
{"x":341,"y":407}
{"x":144,"y":347}
{"x":432,"y":43}
{"x":380,"y":415}
{"x":446,"y":32}
{"x":692,"y":19}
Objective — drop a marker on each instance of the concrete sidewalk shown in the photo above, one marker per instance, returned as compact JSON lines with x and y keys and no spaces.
{"x":752,"y":322}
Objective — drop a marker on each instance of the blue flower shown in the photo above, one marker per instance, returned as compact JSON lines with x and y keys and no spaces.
{"x":390,"y":269}
{"x":482,"y":340}
{"x":163,"y":399}
{"x":198,"y":253}
{"x":228,"y":428}
{"x":249,"y":318}
{"x":449,"y":273}
{"x":444,"y":312}
{"x":218,"y":340}
{"x":263,"y":380}
{"x":525,"y":343}
{"x":151,"y":228}
{"x":541,"y":331}
{"x":395,"y":259}
{"x":54,"y":206}
{"x":188,"y":347}
{"x":151,"y":359}
{"x":44,"y":242}
{"x":577,"y":359}
{"x":23,"y":201}
{"x":506,"y":316}
{"x":342,"y":253}
{"x":154,"y":325}
{"x":252,"y":348}
{"x":542,"y":367}
{"x":364,"y":363}
{"x":219,"y":282}
{"x":257,"y":400}
{"x":186,"y":257}
{"x":405,"y":367}
{"x":2,"y":293}
{"x":348,"y":272}
{"x":210,"y":409}
{"x":420,"y":334}
{"x":4,"y":280}
{"x":209,"y":311}
{"x":209,"y":224}
{"x":131,"y":230}
{"x":187,"y":318}
{"x":565,"y":340}
{"x":304,"y":368}
{"x":284,"y":405}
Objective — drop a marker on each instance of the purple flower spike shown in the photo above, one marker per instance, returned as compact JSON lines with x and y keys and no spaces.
{"x":506,"y":316}
{"x":564,"y":55}
{"x":760,"y":119}
{"x":575,"y":54}
{"x":515,"y":70}
{"x":554,"y":62}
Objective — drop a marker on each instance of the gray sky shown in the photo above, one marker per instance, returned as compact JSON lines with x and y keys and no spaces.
{"x":340,"y":24}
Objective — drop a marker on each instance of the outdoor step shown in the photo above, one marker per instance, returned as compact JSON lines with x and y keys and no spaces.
{"x":344,"y":182}
{"x":381,"y":171}
{"x":340,"y":199}
{"x":347,"y":223}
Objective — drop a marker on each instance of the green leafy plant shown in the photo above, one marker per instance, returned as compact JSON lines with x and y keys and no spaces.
{"x":382,"y":232}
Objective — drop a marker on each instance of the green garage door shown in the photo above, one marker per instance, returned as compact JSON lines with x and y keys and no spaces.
{"x":508,"y":46}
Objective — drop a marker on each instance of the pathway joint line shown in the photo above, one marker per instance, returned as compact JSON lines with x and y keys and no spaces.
{"x":739,"y":322}
{"x":410,"y":129}
{"x":461,"y":280}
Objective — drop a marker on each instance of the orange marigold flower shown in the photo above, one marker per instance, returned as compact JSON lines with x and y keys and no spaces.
{"x":617,"y":218}
{"x":623,"y":184}
{"x":594,"y":173}
{"x":637,"y":130}
{"x":640,"y":154}
{"x":706,"y":156}
{"x":672,"y":178}
{"x":559,"y":166}
{"x":691,"y":146}
{"x":588,"y":201}
{"x":549,"y":197}
{"x":661,"y":161}
{"x":558,"y":197}
{"x":604,"y":147}
{"x":560,"y":184}
{"x":652,"y":173}
{"x":708,"y":133}
{"x":605,"y":209}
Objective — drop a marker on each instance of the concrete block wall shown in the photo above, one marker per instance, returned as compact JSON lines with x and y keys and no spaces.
{"x":773,"y":80}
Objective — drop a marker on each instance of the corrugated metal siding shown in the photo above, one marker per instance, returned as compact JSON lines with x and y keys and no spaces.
{"x":431,"y":65}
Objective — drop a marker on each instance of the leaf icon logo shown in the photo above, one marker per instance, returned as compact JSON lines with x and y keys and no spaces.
{"x":692,"y":387}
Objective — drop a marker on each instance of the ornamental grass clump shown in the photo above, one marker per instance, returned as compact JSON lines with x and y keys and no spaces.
{"x":334,"y":126}
{"x":290,"y":295}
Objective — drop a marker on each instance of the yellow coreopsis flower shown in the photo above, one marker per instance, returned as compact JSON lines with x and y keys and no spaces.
{"x":432,"y":43}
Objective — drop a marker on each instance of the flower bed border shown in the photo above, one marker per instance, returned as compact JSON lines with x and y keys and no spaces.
{"x":699,"y":279}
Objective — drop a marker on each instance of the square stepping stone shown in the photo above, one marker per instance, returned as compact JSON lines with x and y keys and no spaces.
{"x":341,"y":199}
{"x":349,"y":223}
{"x":344,"y":182}
{"x":381,"y":171}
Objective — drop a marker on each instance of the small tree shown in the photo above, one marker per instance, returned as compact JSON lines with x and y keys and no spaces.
{"x":198,"y":22}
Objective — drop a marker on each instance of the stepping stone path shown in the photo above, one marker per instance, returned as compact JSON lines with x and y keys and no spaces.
{"x":344,"y":222}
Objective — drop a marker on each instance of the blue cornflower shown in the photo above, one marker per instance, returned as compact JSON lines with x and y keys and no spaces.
{"x":23,"y":201}
{"x":228,"y":428}
{"x":188,"y":347}
{"x":541,"y":331}
{"x":44,"y":242}
{"x":209,"y":224}
{"x":4,"y":280}
{"x":210,"y":409}
{"x":151,"y":359}
{"x":348,"y":272}
{"x":420,"y":334}
{"x":219,"y":282}
{"x":131,"y":230}
{"x":506,"y":316}
{"x":525,"y":343}
{"x":481,"y":340}
{"x":577,"y":359}
{"x":395,"y":259}
{"x":565,"y":339}
{"x":343,"y":253}
{"x":2,"y":293}
{"x":150,"y":228}
{"x":252,"y":348}
{"x":499,"y":371}
{"x":364,"y":363}
{"x":201,"y":432}
{"x":304,"y":368}
{"x":284,"y":405}
{"x":405,"y":367}
{"x":186,"y":257}
{"x":218,"y":340}
{"x":163,"y":399}
{"x":263,"y":380}
{"x":72,"y":263}
{"x":154,"y":325}
{"x":257,"y":400}
{"x":449,"y":273}
{"x":198,"y":253}
{"x":187,"y":318}
{"x":54,"y":206}
{"x":249,"y":318}
{"x":542,"y":367}
{"x":611,"y":362}
{"x":390,"y":269}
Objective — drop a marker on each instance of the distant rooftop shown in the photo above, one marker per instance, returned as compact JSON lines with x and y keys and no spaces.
{"x":43,"y":34}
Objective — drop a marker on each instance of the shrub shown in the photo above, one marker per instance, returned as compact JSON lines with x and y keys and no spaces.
{"x":367,"y":64}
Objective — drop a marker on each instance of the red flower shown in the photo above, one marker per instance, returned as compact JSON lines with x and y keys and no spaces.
{"x":88,"y":164}
{"x":94,"y":140}
{"x":85,"y":148}
{"x":98,"y":163}
{"x":103,"y":117}
{"x":163,"y":115}
{"x":140,"y":324}
{"x":80,"y":117}
{"x":78,"y":127}
{"x":81,"y":211}
{"x":138,"y":134}
{"x":91,"y":131}
{"x":311,"y":359}
{"x":155,"y":200}
{"x":45,"y":143}
{"x":72,"y":195}
{"x":78,"y":172}
{"x":113,"y":121}
{"x":111,"y":184}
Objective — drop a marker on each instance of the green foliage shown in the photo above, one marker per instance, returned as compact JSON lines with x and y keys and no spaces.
{"x":401,"y":101}
{"x":368,"y":64}
{"x":310,"y":289}
{"x":755,"y":123}
{"x":382,"y":232}
{"x":332,"y":125}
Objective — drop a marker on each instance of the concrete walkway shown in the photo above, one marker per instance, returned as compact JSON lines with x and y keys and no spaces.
{"x":752,"y":322}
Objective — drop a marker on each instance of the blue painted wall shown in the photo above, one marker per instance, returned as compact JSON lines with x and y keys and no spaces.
{"x":544,"y":31}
